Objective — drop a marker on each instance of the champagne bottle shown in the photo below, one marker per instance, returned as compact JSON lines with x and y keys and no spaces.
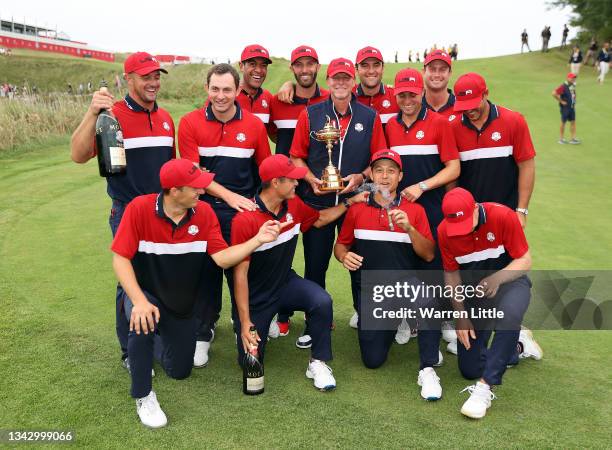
{"x":109,"y":142}
{"x":252,"y":370}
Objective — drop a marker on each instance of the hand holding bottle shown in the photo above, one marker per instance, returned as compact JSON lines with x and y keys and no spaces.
{"x":101,"y":99}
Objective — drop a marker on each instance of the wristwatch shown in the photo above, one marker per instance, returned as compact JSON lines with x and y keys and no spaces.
{"x":423,"y":186}
{"x":346,"y":203}
{"x":523,"y":211}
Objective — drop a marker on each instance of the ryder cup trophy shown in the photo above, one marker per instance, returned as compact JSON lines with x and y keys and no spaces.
{"x":331,"y":178}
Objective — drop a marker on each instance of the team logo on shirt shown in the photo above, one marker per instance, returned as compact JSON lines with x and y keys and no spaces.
{"x":166,"y":126}
{"x":358,"y":126}
{"x":264,"y":103}
{"x":193,"y":230}
{"x":420,"y":134}
{"x":241,"y":137}
{"x":496,"y":136}
{"x":490,"y":237}
{"x":289,"y":217}
{"x":451,"y":117}
{"x":386,"y":103}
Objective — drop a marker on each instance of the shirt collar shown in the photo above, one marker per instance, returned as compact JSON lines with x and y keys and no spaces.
{"x":211,"y":116}
{"x":159,"y":211}
{"x":303,"y":101}
{"x":134,"y":106}
{"x":482,"y":216}
{"x":394,"y":204}
{"x":381,"y":91}
{"x":262,"y":206}
{"x":254,"y":97}
{"x":493,"y":114}
{"x":421,"y":116}
{"x":449,"y":103}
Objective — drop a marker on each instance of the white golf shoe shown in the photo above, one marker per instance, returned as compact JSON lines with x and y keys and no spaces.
{"x":200,"y":356}
{"x":476,"y":406}
{"x":402,"y":336}
{"x":274,"y":330}
{"x":448,"y":331}
{"x":321,"y":375}
{"x":353,"y":321}
{"x":429,"y":381}
{"x":531,"y":349}
{"x":149,"y":411}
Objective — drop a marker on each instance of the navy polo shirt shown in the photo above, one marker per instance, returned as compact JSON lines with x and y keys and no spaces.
{"x":447,"y":109}
{"x":270,"y":264}
{"x":148,"y":138}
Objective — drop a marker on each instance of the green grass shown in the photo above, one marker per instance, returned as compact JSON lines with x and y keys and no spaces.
{"x":58,"y":350}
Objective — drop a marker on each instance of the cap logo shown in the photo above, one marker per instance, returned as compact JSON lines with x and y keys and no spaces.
{"x":490,"y":237}
{"x":193,"y":169}
{"x":193,"y":230}
{"x":303,"y":50}
{"x":147,"y":59}
{"x":496,"y":136}
{"x":407,"y":80}
{"x":259,"y":50}
{"x":455,"y":215}
{"x":420,"y":134}
{"x":358,"y":127}
{"x":241,"y":137}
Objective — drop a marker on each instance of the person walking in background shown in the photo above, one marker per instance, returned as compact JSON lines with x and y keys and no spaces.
{"x":418,"y":59}
{"x":454,"y":52}
{"x":564,"y":38}
{"x":565,"y":94}
{"x":409,"y":55}
{"x":545,"y":38}
{"x":396,"y":57}
{"x":524,"y":40}
{"x":575,"y":60}
{"x":604,"y":62}
{"x":591,"y":52}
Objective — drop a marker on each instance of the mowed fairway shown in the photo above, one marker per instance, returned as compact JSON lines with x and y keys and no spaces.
{"x":59,"y":356}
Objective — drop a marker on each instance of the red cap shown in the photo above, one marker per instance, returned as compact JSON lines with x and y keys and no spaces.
{"x":142,"y":63}
{"x":571,"y":75}
{"x":458,"y":209}
{"x":183,"y":172}
{"x":368,"y":52}
{"x":408,"y":80}
{"x":277,"y":166}
{"x":255,"y":51}
{"x":303,"y":50}
{"x":438,"y":55}
{"x":340,"y":65}
{"x":387,"y":154}
{"x":468,"y":91}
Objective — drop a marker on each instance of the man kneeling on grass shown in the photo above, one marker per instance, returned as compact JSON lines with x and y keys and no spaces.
{"x":483,"y":244}
{"x":162,"y":243}
{"x":265,"y":284}
{"x":389,"y":233}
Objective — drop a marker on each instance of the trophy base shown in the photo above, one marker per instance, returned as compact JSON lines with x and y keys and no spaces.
{"x":331,"y":188}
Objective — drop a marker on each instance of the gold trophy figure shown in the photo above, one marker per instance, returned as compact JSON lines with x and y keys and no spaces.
{"x":331,"y":178}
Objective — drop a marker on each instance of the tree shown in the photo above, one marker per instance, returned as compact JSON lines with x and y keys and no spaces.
{"x":593,"y":16}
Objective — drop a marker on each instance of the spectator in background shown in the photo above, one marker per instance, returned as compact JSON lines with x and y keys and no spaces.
{"x":575,"y":60}
{"x":81,"y":89}
{"x":591,"y":52}
{"x":604,"y":62}
{"x":565,"y":94}
{"x":564,"y":38}
{"x":89,"y":87}
{"x":69,"y":89}
{"x":418,"y":59}
{"x":396,"y":57}
{"x":425,"y":52}
{"x":454,"y":52}
{"x":524,"y":40}
{"x":118,"y":82}
{"x":409,"y":55}
{"x":545,"y":38}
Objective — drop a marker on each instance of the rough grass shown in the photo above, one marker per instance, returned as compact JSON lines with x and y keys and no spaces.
{"x":59,"y":356}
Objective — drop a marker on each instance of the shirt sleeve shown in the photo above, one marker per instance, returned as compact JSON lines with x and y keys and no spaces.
{"x":301,"y":137}
{"x":263,"y":145}
{"x":523,"y":146}
{"x":308,"y":215}
{"x":243,"y":229}
{"x":559,"y":90}
{"x":188,"y":146}
{"x":514,"y":239}
{"x":215,"y":241}
{"x":347,"y":232}
{"x":173,"y":136}
{"x":127,"y":238}
{"x":447,"y":145}
{"x":421,"y":223}
{"x":379,"y":142}
{"x":448,"y":260}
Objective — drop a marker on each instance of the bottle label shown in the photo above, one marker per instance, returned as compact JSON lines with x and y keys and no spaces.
{"x":117,"y":156}
{"x":255,"y":384}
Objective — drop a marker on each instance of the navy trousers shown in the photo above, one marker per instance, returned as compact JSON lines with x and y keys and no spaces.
{"x":490,"y":361}
{"x":172,"y":343}
{"x":122,"y":327}
{"x":210,"y":298}
{"x":297,"y":294}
